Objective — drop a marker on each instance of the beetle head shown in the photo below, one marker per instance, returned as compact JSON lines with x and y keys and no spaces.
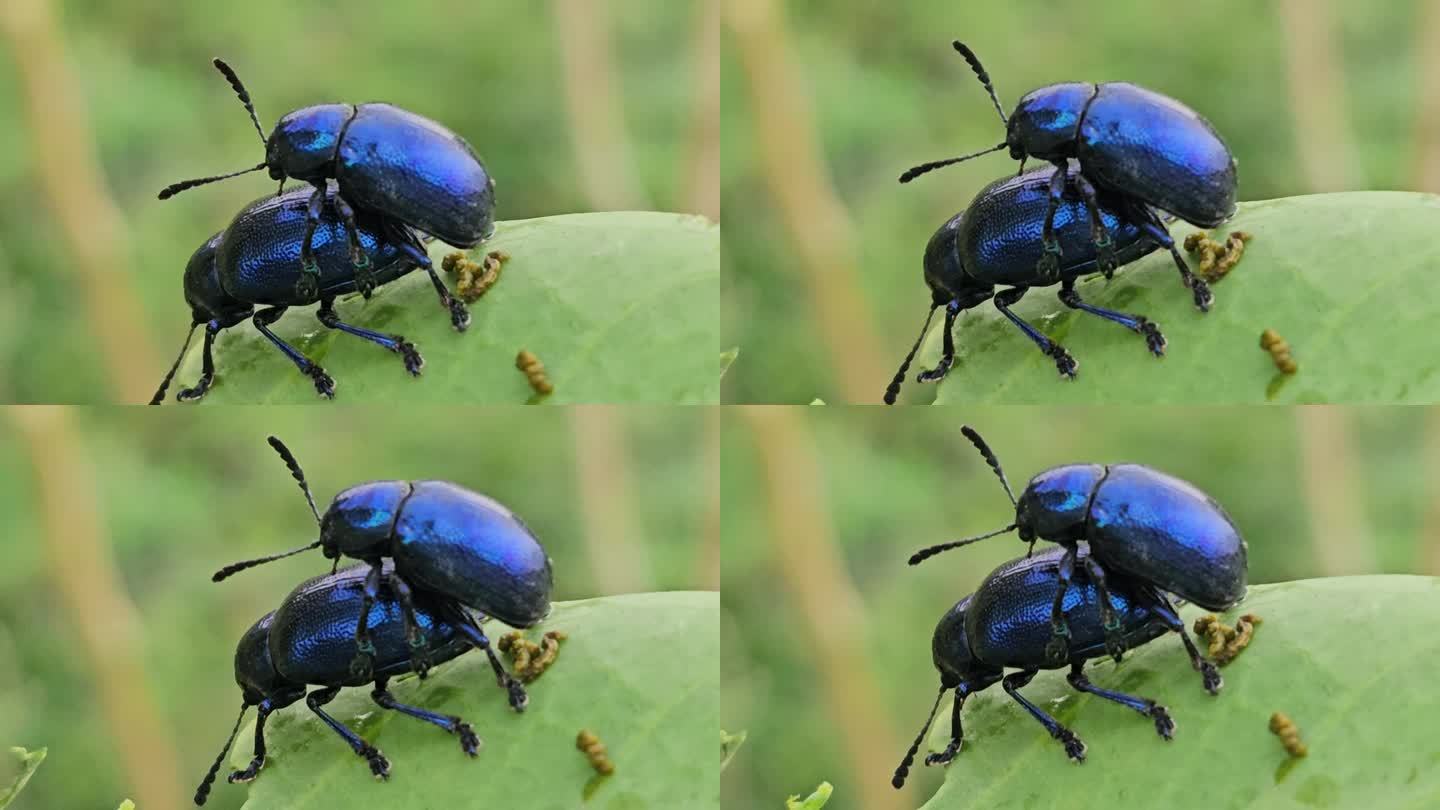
{"x":1046,"y":121}
{"x":1055,"y":503}
{"x":305,"y":141}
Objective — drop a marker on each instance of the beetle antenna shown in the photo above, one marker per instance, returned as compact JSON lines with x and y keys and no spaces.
{"x":295,"y":472}
{"x":989,"y":459}
{"x":893,"y":390}
{"x":184,"y":185}
{"x":235,"y":568}
{"x":916,"y":171}
{"x":926,"y":553}
{"x":980,"y":74}
{"x":169,"y":375}
{"x":229,"y":74}
{"x":898,"y":780}
{"x":202,"y":793}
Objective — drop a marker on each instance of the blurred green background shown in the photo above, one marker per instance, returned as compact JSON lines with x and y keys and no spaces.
{"x":574,"y":105}
{"x":822,"y":260}
{"x":116,"y":649}
{"x":826,"y":631}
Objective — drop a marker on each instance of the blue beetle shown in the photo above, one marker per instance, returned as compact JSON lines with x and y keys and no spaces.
{"x":385,"y":159}
{"x":442,"y":538}
{"x":994,"y":241}
{"x":252,"y":262}
{"x":308,"y":642}
{"x":1136,"y":521}
{"x":1129,"y":140}
{"x":1003,"y":625}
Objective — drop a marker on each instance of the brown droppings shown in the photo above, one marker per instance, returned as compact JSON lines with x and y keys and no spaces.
{"x":474,"y":279}
{"x":528,"y":659}
{"x":594,"y":750}
{"x":1217,"y":259}
{"x":1284,"y":728}
{"x":1279,"y":350}
{"x":534,"y":370}
{"x":1225,"y":642}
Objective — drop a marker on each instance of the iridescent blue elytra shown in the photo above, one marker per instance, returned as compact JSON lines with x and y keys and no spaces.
{"x":309,"y":641}
{"x":1005,"y":624}
{"x":1141,"y":522}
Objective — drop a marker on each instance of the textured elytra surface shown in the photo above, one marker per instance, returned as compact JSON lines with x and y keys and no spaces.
{"x":639,"y":670}
{"x":1349,"y":659}
{"x":1343,"y":278}
{"x":619,"y":307}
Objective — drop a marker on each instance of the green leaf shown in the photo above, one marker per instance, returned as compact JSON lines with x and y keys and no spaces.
{"x":619,"y":307}
{"x":1351,"y":660}
{"x":727,"y":359}
{"x":1345,"y":279}
{"x":638,"y":670}
{"x":814,"y":801}
{"x":26,"y":762}
{"x":729,"y":744}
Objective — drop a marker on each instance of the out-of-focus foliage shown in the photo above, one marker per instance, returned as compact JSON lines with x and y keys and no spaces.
{"x":889,"y":92}
{"x":894,"y":485}
{"x":182,"y":497}
{"x":490,"y":71}
{"x":17,"y":772}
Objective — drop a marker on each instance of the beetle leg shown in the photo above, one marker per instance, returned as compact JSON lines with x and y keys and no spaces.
{"x":1074,"y":747}
{"x":1064,"y":363}
{"x":1104,"y":245}
{"x":379,"y":765}
{"x":1058,"y":648}
{"x":1155,"y":229}
{"x":957,"y":734}
{"x":1139,"y":324}
{"x":395,"y":343}
{"x":1164,"y":725}
{"x":207,"y":372}
{"x":1208,"y":673}
{"x":1049,"y":265}
{"x":1114,"y":639}
{"x":324,"y":383}
{"x":307,"y":285}
{"x":459,"y":313}
{"x":258,"y":760}
{"x":419,"y":645}
{"x":468,"y":627}
{"x":363,"y":663}
{"x":469,"y":742}
{"x":364,"y":279}
{"x":947,"y":356}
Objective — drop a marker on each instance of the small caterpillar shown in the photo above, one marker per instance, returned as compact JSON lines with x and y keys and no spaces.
{"x":1226,"y":642}
{"x":1217,"y":258}
{"x":534,"y":370}
{"x":474,"y":279}
{"x":594,"y":751}
{"x":530,"y":660}
{"x":1289,"y":734}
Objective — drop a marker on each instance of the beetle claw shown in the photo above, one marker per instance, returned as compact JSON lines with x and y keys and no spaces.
{"x":1164,"y":725}
{"x":362,"y":665}
{"x":1058,"y":649}
{"x":307,"y":286}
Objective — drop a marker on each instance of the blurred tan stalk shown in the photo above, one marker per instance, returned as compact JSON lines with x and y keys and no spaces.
{"x":1317,"y":95}
{"x":1427,"y":118}
{"x":96,"y":263}
{"x":784,"y":133}
{"x":593,"y":98}
{"x":618,"y":559}
{"x":87,"y":582}
{"x":703,"y":177}
{"x":814,"y":576}
{"x":1429,"y":562}
{"x":1331,"y":486}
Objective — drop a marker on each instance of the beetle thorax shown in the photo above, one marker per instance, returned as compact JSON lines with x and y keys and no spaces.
{"x":1046,"y":122}
{"x":361,"y":520}
{"x":305,"y":141}
{"x":1056,"y":503}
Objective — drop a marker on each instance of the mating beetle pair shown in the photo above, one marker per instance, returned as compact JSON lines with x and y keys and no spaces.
{"x":1145,"y":534}
{"x":435,"y":552}
{"x":1121,"y":154}
{"x":383,"y":181}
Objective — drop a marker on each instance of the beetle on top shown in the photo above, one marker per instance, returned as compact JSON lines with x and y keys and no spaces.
{"x":385,"y":159}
